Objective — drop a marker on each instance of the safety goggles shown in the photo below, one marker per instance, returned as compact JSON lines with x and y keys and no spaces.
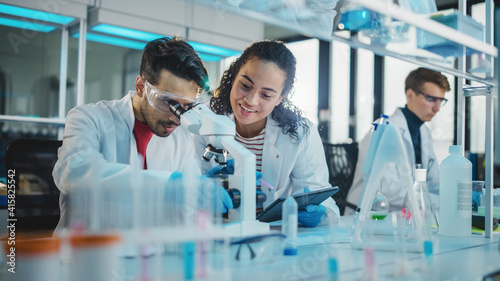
{"x":432,"y":99}
{"x":162,"y":100}
{"x":264,"y":248}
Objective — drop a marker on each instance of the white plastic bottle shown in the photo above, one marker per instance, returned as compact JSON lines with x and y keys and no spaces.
{"x":33,"y":259}
{"x":289,"y":226}
{"x":455,"y":194}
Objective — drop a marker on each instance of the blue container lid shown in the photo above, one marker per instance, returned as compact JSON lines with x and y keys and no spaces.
{"x":290,"y":252}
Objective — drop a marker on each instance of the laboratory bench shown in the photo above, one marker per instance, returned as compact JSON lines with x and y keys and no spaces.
{"x":454,"y":258}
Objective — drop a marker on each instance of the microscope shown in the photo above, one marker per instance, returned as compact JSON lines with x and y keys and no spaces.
{"x":200,"y":120}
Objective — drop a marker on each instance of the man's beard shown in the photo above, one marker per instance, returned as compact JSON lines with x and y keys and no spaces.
{"x":156,"y":127}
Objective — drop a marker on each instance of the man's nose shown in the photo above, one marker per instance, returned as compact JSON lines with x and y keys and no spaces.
{"x":437,"y":105}
{"x":173,"y":118}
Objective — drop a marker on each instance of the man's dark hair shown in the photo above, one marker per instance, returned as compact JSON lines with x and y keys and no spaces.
{"x":176,"y":56}
{"x":287,"y":115}
{"x":416,"y":79}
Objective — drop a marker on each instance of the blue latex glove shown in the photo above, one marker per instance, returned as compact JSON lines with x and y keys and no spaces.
{"x":225,"y":199}
{"x":258,"y":176}
{"x":229,"y":170}
{"x":175,"y":176}
{"x":223,"y":196}
{"x":313,"y":215}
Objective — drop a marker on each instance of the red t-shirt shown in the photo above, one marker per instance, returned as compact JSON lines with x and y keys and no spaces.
{"x":142,"y":134}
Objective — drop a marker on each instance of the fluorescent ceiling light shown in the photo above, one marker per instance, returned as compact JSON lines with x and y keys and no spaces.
{"x":206,"y":57}
{"x":126,"y":32}
{"x":132,"y":44}
{"x":114,"y":41}
{"x":26,"y":25}
{"x":213,"y":50}
{"x":34,"y":14}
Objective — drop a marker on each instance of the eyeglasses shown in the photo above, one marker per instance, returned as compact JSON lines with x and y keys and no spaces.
{"x":264,"y":248}
{"x":162,"y":100}
{"x":432,"y":99}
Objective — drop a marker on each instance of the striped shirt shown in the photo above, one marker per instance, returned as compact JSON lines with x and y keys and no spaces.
{"x":255,"y":145}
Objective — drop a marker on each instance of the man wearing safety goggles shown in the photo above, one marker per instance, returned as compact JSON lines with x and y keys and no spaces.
{"x":158,"y":103}
{"x":425,"y":90}
{"x":108,"y":141}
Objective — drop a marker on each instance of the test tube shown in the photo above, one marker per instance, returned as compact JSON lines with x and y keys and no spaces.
{"x":333,"y":258}
{"x":370,"y":270}
{"x":289,"y":225}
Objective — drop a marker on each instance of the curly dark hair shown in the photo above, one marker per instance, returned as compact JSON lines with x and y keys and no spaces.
{"x":287,"y":115}
{"x":176,"y":56}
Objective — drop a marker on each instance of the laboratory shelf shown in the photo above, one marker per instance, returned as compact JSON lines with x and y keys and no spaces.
{"x":31,"y":119}
{"x":398,"y":36}
{"x":425,"y":23}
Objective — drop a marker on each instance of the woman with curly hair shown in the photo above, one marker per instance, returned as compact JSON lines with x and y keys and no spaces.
{"x":254,"y":92}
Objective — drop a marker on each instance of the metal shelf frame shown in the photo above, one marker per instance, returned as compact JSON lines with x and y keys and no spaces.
{"x":422,"y":22}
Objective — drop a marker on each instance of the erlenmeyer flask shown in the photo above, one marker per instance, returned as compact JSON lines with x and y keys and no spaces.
{"x":425,"y":207}
{"x":380,"y":207}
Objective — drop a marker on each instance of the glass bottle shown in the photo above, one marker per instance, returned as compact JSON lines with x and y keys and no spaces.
{"x":425,"y":206}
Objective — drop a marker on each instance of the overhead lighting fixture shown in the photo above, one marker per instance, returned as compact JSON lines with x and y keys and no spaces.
{"x":206,"y":52}
{"x":125,"y":32}
{"x":26,"y":25}
{"x":113,"y":41}
{"x":213,"y":50}
{"x":34,"y":14}
{"x":205,"y":57}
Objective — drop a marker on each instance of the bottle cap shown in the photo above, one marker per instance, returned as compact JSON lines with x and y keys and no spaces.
{"x":94,"y":240}
{"x":36,"y":246}
{"x":455,"y":149}
{"x":420,"y":174}
{"x":290,"y":252}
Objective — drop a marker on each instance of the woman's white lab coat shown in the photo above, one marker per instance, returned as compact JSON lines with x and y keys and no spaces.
{"x":288,"y":166}
{"x":99,"y":148}
{"x":390,"y":185}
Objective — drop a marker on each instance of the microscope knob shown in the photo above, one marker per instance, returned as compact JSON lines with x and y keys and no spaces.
{"x":235,"y":196}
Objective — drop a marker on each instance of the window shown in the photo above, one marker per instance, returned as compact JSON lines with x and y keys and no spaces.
{"x":305,"y":94}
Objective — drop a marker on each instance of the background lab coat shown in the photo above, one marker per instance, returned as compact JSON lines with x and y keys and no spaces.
{"x":288,"y":166}
{"x":391,"y":186}
{"x":99,"y":147}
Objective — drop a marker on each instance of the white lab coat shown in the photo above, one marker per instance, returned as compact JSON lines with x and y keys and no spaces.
{"x":287,"y":166}
{"x":391,"y":186}
{"x":99,"y":148}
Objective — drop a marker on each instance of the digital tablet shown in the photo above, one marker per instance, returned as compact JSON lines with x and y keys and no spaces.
{"x":315,"y":197}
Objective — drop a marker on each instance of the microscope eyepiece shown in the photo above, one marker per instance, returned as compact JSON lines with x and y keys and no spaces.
{"x":177,"y":109}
